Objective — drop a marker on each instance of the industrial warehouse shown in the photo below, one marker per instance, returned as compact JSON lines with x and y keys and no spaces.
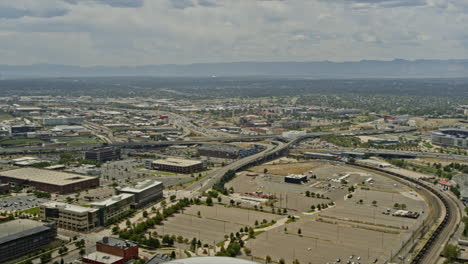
{"x":49,"y":181}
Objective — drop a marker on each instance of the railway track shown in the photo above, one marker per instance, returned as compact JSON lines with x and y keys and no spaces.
{"x":430,"y":252}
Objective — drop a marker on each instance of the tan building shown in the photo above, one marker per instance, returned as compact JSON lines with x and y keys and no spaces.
{"x":48,"y":180}
{"x":71,"y":217}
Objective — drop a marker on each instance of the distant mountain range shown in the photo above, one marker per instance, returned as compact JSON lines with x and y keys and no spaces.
{"x":397,"y":68}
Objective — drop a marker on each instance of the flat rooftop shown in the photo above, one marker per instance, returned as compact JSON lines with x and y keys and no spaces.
{"x":16,"y":229}
{"x":141,"y":186}
{"x":112,"y":200}
{"x":177,"y":162}
{"x":69,"y":207}
{"x":16,"y":226}
{"x":45,"y":176}
{"x":117,"y":242}
{"x":103,"y":257}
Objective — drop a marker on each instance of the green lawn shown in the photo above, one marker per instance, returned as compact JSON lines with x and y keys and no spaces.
{"x":20,"y":141}
{"x":33,"y":211}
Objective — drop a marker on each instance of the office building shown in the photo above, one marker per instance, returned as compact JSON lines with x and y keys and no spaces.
{"x":145,"y":192}
{"x":20,"y":237}
{"x":113,"y":207}
{"x":71,"y":217}
{"x":48,"y":180}
{"x":226,"y":151}
{"x":178,"y":165}
{"x":450,"y":138}
{"x":103,"y":154}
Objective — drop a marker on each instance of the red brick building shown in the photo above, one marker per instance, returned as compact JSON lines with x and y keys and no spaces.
{"x":118,"y":247}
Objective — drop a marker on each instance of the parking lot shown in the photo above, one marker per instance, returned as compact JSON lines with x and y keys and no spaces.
{"x":14,"y":203}
{"x":214,"y":222}
{"x":359,"y":224}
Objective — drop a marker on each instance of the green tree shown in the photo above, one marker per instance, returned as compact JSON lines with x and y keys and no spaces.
{"x":209,"y":201}
{"x":451,"y":252}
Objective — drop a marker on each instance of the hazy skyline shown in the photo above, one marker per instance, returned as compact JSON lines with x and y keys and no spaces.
{"x":140,"y":32}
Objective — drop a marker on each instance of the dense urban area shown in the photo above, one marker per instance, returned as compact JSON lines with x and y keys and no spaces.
{"x":148,"y":170}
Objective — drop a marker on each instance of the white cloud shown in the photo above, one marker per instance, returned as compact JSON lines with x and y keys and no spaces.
{"x":101,"y":32}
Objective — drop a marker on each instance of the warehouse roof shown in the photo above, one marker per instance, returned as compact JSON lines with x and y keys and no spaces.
{"x":177,"y":162}
{"x":45,"y":176}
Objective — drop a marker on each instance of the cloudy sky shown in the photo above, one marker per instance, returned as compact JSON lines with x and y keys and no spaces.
{"x":137,"y":32}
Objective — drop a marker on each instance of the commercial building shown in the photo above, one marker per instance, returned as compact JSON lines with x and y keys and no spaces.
{"x":112,"y":250}
{"x":102,"y":258}
{"x":61,"y":120}
{"x":22,"y":129}
{"x":113,"y":207}
{"x":49,"y":181}
{"x":226,"y":151}
{"x":444,"y":185}
{"x":178,"y":165}
{"x":295,"y":178}
{"x":144,"y":192}
{"x":20,"y":237}
{"x":450,"y":138}
{"x":103,"y":154}
{"x":72,"y":217}
{"x":118,"y":247}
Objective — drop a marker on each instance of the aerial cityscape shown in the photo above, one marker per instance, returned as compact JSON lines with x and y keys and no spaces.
{"x":225,"y":132}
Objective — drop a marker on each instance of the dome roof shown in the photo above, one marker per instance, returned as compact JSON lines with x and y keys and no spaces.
{"x":211,"y":260}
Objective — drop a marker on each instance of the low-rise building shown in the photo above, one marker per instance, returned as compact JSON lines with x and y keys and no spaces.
{"x":68,"y":216}
{"x":178,"y":165}
{"x":450,"y":138}
{"x":113,"y":207}
{"x":48,"y":180}
{"x":295,"y":178}
{"x":118,"y":247}
{"x":444,"y":185}
{"x":145,"y":192}
{"x":20,"y":237}
{"x":103,"y":154}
